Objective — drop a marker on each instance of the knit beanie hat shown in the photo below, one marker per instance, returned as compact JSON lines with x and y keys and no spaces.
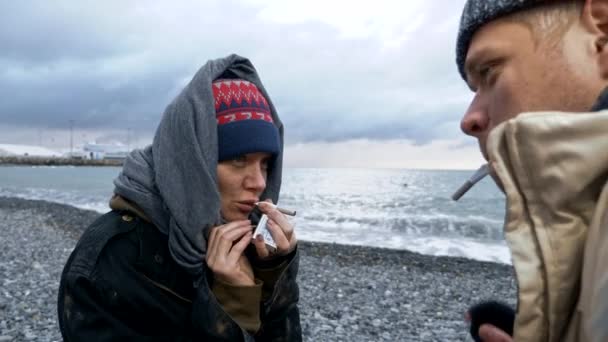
{"x":477,"y":13}
{"x":244,"y":122}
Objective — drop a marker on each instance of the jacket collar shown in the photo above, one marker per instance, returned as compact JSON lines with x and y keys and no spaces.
{"x":120,"y":203}
{"x":553,"y":167}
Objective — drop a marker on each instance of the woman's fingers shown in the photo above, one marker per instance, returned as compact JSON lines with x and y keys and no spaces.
{"x":224,"y":231}
{"x":215,"y":231}
{"x":281,"y":229}
{"x":278,"y":217}
{"x":260,"y":247}
{"x":284,"y":245}
{"x":227,"y":240}
{"x":238,"y":248}
{"x":278,"y":235}
{"x":225,"y":251}
{"x":222,"y":237}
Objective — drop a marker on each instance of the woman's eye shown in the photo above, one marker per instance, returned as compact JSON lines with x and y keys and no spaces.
{"x":239,"y":161}
{"x":265,"y":165}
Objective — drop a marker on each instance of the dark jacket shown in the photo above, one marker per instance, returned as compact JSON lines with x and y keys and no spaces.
{"x":121,"y":283}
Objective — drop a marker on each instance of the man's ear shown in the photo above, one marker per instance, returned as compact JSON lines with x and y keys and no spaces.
{"x":594,"y":18}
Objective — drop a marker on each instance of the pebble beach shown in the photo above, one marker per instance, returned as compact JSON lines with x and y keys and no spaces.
{"x":346,"y":292}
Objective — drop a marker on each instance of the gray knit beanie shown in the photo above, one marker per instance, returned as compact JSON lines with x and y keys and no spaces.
{"x":477,"y":13}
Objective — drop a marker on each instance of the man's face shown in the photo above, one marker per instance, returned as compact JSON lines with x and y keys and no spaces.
{"x":241,"y":181}
{"x":512,"y":73}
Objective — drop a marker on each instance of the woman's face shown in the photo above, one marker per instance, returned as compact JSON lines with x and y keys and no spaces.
{"x":241,"y":181}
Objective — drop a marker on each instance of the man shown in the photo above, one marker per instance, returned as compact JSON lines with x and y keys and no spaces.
{"x":549,"y":58}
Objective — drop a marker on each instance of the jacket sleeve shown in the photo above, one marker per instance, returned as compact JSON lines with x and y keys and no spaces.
{"x":280,"y":314}
{"x":268,"y":277}
{"x":242,"y":303}
{"x":85,"y":314}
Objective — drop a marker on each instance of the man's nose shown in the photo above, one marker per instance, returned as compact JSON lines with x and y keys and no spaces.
{"x":475,"y":121}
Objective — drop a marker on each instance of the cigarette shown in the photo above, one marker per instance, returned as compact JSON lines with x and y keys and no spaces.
{"x":282,"y":210}
{"x":483,"y":171}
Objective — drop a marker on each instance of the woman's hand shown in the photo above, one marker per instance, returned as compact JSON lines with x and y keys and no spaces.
{"x":282,"y":232}
{"x":225,"y":253}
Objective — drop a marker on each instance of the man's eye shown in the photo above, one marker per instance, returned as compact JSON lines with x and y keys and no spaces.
{"x":485,"y":72}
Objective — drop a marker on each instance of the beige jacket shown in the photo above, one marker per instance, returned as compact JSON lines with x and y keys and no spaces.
{"x":554,"y":170}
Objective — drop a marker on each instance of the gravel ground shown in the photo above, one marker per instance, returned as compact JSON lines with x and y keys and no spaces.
{"x":347,"y":292}
{"x":31,"y":259}
{"x":369,"y":294}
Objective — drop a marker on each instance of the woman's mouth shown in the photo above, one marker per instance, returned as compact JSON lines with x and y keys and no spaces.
{"x":245,"y":207}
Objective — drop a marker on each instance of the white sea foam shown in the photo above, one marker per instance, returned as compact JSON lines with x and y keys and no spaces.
{"x":74,"y":199}
{"x":466,"y":248}
{"x":369,"y":208}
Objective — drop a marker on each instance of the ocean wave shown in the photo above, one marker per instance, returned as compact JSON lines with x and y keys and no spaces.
{"x":438,"y":224}
{"x":371,"y":208}
{"x":73,"y":198}
{"x":437,"y":246}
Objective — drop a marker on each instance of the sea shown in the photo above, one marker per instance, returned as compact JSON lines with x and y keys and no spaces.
{"x":397,"y":209}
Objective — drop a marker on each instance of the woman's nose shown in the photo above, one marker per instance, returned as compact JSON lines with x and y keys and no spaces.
{"x":256,"y":179}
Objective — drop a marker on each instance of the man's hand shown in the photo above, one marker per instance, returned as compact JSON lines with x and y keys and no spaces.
{"x":491,"y":321}
{"x":282,"y":232}
{"x":225,"y":253}
{"x":490,"y":333}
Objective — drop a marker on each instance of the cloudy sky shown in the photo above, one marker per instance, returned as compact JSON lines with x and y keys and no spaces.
{"x":357,"y":84}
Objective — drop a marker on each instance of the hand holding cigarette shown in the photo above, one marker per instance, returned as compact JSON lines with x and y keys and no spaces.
{"x":282,"y":239}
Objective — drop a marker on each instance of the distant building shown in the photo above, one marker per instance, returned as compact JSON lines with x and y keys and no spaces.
{"x":13,"y":150}
{"x":105,"y":151}
{"x":76,"y":155}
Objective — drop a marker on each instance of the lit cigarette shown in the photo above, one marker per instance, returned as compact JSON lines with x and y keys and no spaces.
{"x":483,"y":171}
{"x":284,"y":211}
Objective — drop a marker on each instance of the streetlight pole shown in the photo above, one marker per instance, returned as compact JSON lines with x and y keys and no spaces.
{"x":129,"y":139}
{"x":71,"y":138}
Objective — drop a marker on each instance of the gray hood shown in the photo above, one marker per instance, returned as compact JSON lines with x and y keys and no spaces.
{"x":174,"y":179}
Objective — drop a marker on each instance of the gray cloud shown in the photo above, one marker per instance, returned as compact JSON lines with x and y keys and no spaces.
{"x":115,"y":64}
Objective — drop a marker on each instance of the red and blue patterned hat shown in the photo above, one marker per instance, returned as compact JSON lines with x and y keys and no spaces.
{"x":244,"y":122}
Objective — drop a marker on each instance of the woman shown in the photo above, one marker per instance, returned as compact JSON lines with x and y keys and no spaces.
{"x":175,"y":259}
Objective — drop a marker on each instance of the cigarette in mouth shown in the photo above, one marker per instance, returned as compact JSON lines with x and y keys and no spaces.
{"x":282,"y":210}
{"x":483,"y":171}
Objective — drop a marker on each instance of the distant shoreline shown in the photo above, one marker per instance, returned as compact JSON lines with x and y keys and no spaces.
{"x":57,"y":161}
